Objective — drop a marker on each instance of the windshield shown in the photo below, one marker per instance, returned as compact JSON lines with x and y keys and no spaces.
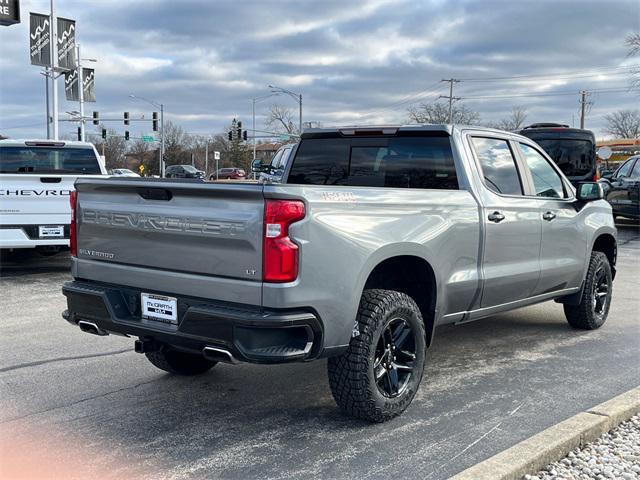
{"x":31,"y":159}
{"x":574,"y":157}
{"x":189,"y":168}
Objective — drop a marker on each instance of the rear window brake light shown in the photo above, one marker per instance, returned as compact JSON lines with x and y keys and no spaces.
{"x":369,"y":131}
{"x":45,"y":144}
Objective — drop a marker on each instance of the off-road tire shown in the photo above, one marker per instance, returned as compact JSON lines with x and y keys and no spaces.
{"x":351,"y":375}
{"x":179,"y":363}
{"x":583,"y":316}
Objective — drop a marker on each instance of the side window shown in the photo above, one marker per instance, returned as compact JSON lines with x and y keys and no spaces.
{"x":394,"y":162}
{"x":498,"y":165}
{"x":624,"y":169}
{"x":545,"y":179}
{"x":635,"y":174}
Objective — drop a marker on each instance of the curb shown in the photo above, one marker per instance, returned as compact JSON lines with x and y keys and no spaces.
{"x":554,"y":443}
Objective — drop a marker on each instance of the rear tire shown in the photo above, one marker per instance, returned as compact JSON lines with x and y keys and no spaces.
{"x":179,"y":363}
{"x":379,"y":374}
{"x":593,"y":309}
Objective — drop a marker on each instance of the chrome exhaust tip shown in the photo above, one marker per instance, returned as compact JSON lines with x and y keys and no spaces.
{"x":217,"y":354}
{"x":92,"y":328}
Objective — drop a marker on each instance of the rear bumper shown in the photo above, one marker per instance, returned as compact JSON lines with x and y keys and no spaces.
{"x":26,"y":236}
{"x":251,"y":334}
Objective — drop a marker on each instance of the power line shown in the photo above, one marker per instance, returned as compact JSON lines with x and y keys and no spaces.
{"x":568,"y":74}
{"x":547,"y":94}
{"x":413,"y":97}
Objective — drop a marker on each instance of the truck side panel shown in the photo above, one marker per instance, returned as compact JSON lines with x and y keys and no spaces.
{"x":348,"y":231}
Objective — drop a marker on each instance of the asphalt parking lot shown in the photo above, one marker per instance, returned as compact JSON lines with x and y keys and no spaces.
{"x":78,"y":404}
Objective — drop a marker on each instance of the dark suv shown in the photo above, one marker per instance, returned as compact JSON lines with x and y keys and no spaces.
{"x":572,"y":149}
{"x":183,"y":171}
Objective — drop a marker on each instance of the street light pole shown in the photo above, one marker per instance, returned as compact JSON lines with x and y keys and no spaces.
{"x":162,"y":164}
{"x":53,"y":41}
{"x":80,"y":74}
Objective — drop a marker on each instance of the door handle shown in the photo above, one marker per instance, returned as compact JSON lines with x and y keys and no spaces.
{"x":496,"y":217}
{"x":548,"y":216}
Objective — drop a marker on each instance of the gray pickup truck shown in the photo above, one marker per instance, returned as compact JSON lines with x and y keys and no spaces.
{"x":376,"y":236}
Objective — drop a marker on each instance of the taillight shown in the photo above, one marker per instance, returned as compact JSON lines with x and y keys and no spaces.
{"x":280,"y":255}
{"x":73,"y":234}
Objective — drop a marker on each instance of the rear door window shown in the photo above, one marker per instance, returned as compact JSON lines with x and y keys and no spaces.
{"x":424,"y":162}
{"x":498,"y":165}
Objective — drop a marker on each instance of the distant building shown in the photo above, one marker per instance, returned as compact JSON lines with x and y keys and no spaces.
{"x":264,"y":151}
{"x":622,"y":148}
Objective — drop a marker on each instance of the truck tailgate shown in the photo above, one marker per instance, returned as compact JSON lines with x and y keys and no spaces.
{"x":161,"y":233}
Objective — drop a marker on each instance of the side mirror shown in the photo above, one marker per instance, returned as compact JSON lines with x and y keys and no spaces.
{"x":256,"y":165}
{"x":589,"y":191}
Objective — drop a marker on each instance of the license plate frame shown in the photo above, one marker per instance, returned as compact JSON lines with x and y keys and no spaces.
{"x":159,"y":308}
{"x":50,"y":231}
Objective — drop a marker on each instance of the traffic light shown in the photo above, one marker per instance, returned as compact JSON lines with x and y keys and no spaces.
{"x":126,"y":134}
{"x":126,"y":118}
{"x":244,"y":135}
{"x":96,"y":121}
{"x":79,"y":134}
{"x":239,"y":129}
{"x":230,"y":135}
{"x":154,"y":121}
{"x":104,"y":133}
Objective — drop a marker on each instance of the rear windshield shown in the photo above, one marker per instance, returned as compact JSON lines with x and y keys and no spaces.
{"x":27,"y":159}
{"x":395,"y":162}
{"x":575,"y":157}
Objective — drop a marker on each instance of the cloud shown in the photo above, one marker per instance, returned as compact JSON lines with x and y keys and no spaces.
{"x":353,"y":62}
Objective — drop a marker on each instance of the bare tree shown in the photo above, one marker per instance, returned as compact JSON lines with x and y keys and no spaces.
{"x":623,"y":124}
{"x":176,"y":142}
{"x":281,"y":119}
{"x":438,"y":112}
{"x":633,"y":43}
{"x":515,"y":120}
{"x":141,"y":152}
{"x":113,"y":147}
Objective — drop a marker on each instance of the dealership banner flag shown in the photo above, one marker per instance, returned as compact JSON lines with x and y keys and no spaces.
{"x":39,"y":36}
{"x":89,"y":84}
{"x":66,"y":43}
{"x":71,"y":86}
{"x":9,"y":12}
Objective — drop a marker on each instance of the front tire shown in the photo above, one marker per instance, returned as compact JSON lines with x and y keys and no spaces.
{"x":179,"y":363}
{"x":379,"y":374}
{"x":593,"y":309}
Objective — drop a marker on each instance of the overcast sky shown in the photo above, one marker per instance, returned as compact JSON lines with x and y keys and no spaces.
{"x":354,"y":62}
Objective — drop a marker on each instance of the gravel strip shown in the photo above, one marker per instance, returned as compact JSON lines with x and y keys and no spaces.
{"x":615,"y":455}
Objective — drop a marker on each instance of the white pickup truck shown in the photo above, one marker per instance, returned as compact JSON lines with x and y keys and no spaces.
{"x":36,"y":178}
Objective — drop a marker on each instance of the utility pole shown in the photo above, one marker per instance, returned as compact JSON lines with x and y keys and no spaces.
{"x":583,"y":106}
{"x":450,"y":96}
{"x":53,"y":41}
